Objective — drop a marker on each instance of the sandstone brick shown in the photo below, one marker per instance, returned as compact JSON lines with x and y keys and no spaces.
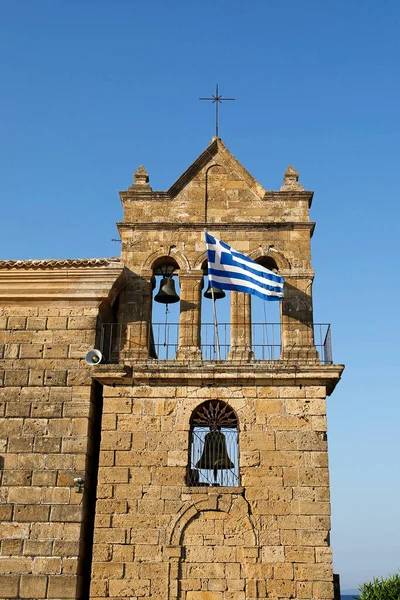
{"x":36,"y":323}
{"x":18,"y":409}
{"x":36,"y":377}
{"x":33,"y":586}
{"x":304,"y":589}
{"x":62,"y":586}
{"x":65,"y":514}
{"x":200,"y":595}
{"x":314,"y":477}
{"x":47,"y":444}
{"x":55,"y":350}
{"x":20,"y":444}
{"x":12,"y":547}
{"x":16,"y":323}
{"x":28,"y":494}
{"x":283,"y":571}
{"x":116,"y":440}
{"x":314,"y":508}
{"x":16,"y":378}
{"x":66,"y":548}
{"x":282,"y":588}
{"x":30,"y":512}
{"x":19,"y":478}
{"x":9,"y":586}
{"x":82,"y":322}
{"x":299,"y":554}
{"x":323,"y":555}
{"x":53,"y":377}
{"x":112,"y":506}
{"x":323,"y":589}
{"x":129,"y":587}
{"x":114,"y":475}
{"x":69,"y":566}
{"x":37,"y":548}
{"x":317,"y":572}
{"x":15,"y":565}
{"x":11,"y":351}
{"x":107,"y":570}
{"x":273,"y":554}
{"x":56,"y":323}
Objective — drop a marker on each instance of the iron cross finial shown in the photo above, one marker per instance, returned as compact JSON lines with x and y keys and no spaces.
{"x":217,"y":99}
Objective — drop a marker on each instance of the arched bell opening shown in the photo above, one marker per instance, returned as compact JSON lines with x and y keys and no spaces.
{"x":222,"y":299}
{"x":266,"y":320}
{"x":165,"y":308}
{"x":213,"y":446}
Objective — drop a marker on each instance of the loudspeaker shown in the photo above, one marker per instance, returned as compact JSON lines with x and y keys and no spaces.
{"x":93,"y":357}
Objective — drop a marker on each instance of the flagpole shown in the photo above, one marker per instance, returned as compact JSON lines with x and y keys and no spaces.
{"x":215,"y":323}
{"x":212,"y":288}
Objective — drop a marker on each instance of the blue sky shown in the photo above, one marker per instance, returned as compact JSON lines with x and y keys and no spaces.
{"x":92,"y":89}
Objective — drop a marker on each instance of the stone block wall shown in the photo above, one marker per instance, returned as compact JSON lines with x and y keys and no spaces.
{"x":46,"y":407}
{"x":155,"y":537}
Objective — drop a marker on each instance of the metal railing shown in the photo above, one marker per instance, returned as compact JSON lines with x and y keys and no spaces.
{"x":161,"y":341}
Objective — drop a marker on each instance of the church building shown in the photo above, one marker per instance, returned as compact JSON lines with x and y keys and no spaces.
{"x":148,"y":457}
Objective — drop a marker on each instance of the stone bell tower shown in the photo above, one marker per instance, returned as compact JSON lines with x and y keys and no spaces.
{"x":213,"y":477}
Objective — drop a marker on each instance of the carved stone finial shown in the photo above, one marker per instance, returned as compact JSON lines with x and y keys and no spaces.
{"x":141,"y":178}
{"x":291,"y":180}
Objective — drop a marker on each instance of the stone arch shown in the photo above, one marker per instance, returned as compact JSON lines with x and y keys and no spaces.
{"x":232,"y":504}
{"x":194,"y":560}
{"x":281,"y":261}
{"x":177,"y":255}
{"x":200,"y":259}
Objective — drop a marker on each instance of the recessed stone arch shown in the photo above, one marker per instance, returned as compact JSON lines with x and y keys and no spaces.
{"x":200,"y":260}
{"x":231,"y":503}
{"x":208,"y":543}
{"x":281,"y":261}
{"x":177,"y":255}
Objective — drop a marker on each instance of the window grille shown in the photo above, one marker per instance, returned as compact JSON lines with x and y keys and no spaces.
{"x":213,"y":448}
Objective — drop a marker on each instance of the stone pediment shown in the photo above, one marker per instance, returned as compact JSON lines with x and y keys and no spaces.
{"x":216,"y":154}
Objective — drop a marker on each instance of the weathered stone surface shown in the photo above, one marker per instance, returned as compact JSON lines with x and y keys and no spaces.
{"x":155,"y":536}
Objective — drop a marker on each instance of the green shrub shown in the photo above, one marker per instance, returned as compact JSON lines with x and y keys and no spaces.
{"x":381,"y":589}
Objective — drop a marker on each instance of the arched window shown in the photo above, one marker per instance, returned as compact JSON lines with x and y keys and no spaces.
{"x":208,"y":328}
{"x":165,"y":310}
{"x":213,"y":446}
{"x":266,"y":321}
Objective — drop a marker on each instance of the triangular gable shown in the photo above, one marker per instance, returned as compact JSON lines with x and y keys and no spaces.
{"x":216,"y":149}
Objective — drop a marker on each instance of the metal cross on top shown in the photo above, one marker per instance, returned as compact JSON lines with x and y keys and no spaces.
{"x":217,"y":99}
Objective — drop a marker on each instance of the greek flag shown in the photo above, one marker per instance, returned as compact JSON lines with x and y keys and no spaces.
{"x":230,"y":270}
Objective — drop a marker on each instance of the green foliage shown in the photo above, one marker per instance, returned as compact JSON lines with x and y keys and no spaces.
{"x":381,"y":589}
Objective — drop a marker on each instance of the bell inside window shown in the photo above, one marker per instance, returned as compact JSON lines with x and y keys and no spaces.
{"x":214,"y":451}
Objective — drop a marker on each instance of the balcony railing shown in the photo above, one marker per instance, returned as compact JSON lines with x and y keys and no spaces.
{"x":161,"y":341}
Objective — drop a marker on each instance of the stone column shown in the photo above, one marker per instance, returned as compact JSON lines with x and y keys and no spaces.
{"x":135,"y":317}
{"x":297,"y":320}
{"x":240,"y":327}
{"x":191,"y":285}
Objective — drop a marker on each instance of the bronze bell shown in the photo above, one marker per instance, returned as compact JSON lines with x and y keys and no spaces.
{"x":215,"y":455}
{"x":218,"y":294}
{"x":167,"y":294}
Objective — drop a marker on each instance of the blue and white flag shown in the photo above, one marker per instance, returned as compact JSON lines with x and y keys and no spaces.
{"x":230,"y":270}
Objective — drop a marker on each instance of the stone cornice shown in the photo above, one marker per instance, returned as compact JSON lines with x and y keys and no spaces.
{"x":67,"y":263}
{"x":65,"y":282}
{"x":238,"y":226}
{"x":285,"y":196}
{"x":224,"y":373}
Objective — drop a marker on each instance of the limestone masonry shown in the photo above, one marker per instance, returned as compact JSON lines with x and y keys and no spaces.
{"x":109,"y":488}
